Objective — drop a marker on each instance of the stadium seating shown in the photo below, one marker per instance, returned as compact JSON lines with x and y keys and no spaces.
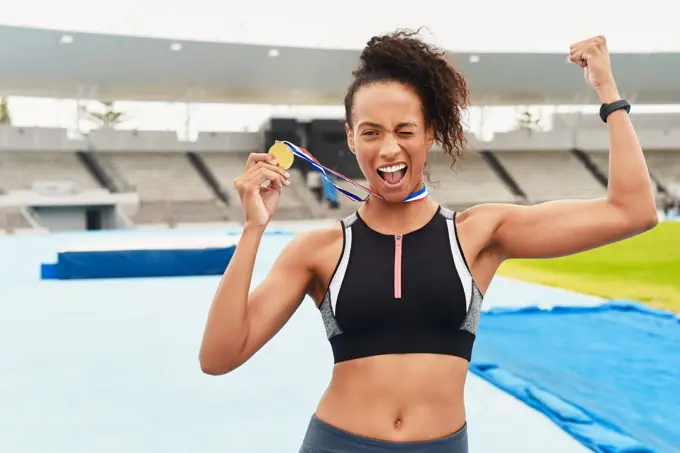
{"x":471,"y":181}
{"x":170,"y":189}
{"x":665,"y":165}
{"x":177,"y":187}
{"x":226,"y":167}
{"x":550,"y":175}
{"x":20,"y":170}
{"x":12,"y":219}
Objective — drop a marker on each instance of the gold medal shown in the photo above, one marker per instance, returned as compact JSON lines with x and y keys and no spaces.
{"x":283,"y":155}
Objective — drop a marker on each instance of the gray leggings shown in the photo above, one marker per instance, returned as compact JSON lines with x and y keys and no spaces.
{"x":324,"y":438}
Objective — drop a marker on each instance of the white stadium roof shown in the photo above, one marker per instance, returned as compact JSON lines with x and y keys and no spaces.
{"x":97,"y":66}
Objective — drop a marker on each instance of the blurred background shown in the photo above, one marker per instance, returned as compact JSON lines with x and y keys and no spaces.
{"x":131,"y":119}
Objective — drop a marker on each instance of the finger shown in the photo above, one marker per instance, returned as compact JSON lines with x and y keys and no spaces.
{"x":266,"y":190}
{"x":577,"y":45}
{"x":276,"y":185}
{"x":253,"y":177}
{"x":578,"y":59}
{"x":269,"y":166}
{"x":255,"y":158}
{"x":575,"y":58}
{"x":585,"y":42}
{"x":265,"y":174}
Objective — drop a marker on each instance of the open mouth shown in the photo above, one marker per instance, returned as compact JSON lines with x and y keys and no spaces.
{"x":393,"y":175}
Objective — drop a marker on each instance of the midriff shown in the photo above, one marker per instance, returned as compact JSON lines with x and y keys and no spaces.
{"x":399,"y":398}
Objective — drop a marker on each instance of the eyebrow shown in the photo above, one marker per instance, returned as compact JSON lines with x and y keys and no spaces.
{"x":378,"y":126}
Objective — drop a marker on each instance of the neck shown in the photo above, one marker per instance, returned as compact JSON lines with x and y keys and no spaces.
{"x":397,"y":218}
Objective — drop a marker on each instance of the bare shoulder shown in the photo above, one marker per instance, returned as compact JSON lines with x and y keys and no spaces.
{"x":307,"y":244}
{"x":479,"y":222}
{"x":323,"y":236}
{"x":320,"y":250}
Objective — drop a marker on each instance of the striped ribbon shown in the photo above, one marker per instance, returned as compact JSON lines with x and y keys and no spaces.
{"x":307,"y":157}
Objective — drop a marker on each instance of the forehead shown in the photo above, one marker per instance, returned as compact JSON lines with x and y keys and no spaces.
{"x":387,"y":102}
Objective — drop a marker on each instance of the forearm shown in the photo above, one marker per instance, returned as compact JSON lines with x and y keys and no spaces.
{"x":630,"y":186}
{"x":226,"y":328}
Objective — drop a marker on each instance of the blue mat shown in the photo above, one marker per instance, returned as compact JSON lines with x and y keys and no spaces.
{"x":609,"y":375}
{"x":138,"y":263}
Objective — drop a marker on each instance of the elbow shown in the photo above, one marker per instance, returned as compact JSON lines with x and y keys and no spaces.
{"x":651,"y":222}
{"x":219,"y":358}
{"x":640,"y":215}
{"x":649,"y":216}
{"x":642,"y":221}
{"x":213,"y":369}
{"x":216,"y":366}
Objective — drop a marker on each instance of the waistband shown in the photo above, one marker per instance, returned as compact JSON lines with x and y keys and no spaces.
{"x":323,"y":437}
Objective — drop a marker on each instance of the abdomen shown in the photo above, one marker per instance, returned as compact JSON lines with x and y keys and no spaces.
{"x":411,"y":397}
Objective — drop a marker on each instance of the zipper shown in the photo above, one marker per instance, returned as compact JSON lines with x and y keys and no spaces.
{"x":397,"y":265}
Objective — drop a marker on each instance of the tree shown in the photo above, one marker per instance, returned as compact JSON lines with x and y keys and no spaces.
{"x":526,"y":121}
{"x":5,"y":117}
{"x":107,"y":117}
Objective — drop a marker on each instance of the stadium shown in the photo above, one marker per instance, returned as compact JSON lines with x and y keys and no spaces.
{"x":96,"y":364}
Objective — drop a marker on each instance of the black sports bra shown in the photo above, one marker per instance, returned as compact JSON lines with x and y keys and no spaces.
{"x":397,"y":294}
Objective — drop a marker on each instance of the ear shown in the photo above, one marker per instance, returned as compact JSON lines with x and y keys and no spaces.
{"x":350,"y":138}
{"x":429,"y":136}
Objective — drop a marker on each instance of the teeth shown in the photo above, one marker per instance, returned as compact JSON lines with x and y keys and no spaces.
{"x":392,"y":168}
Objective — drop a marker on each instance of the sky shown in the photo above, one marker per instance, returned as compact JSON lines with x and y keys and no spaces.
{"x":483,"y":25}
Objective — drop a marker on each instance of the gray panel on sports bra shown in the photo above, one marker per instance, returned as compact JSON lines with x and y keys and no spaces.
{"x":329,"y":322}
{"x":471,"y":321}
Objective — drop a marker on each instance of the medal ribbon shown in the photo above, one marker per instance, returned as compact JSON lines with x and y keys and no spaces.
{"x":307,"y":157}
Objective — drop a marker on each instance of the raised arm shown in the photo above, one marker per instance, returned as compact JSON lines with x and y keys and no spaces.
{"x":239,"y":323}
{"x":565,"y":227}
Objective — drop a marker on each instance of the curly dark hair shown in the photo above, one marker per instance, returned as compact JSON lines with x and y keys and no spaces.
{"x":402,"y":57}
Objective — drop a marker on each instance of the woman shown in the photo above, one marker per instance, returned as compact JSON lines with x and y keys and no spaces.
{"x":400,"y":284}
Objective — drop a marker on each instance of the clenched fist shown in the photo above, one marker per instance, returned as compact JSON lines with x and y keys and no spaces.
{"x":592,"y":55}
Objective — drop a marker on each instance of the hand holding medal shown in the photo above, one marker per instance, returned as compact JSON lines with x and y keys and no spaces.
{"x":259,"y":201}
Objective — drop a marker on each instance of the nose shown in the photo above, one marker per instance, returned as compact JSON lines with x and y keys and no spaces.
{"x":390,"y":148}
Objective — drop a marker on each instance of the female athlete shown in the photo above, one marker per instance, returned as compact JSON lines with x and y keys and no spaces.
{"x":399,"y":284}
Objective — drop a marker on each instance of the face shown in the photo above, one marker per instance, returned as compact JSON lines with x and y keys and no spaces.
{"x":389,"y":138}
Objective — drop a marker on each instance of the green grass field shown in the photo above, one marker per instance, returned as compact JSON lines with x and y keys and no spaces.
{"x":645,"y":268}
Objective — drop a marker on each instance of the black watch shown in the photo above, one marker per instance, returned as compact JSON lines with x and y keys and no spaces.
{"x":607,"y":109}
